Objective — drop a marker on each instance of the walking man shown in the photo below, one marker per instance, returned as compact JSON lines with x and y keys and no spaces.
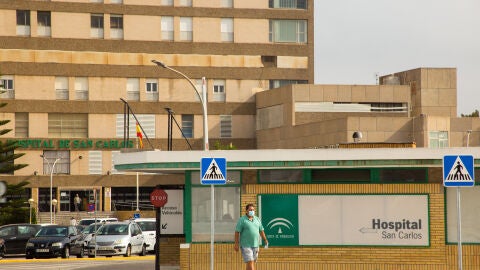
{"x":247,"y":236}
{"x":77,"y":201}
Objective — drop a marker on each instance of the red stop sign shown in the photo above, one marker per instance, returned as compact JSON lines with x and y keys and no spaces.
{"x":158,"y":197}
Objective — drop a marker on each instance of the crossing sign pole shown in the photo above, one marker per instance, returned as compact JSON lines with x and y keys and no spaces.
{"x":213,"y":171}
{"x":457,"y":172}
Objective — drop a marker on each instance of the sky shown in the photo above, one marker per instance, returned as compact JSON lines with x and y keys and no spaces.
{"x":357,"y":39}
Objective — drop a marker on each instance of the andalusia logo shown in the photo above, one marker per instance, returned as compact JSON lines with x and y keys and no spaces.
{"x":279,"y":223}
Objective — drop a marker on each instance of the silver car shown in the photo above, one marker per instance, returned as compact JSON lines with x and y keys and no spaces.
{"x":149,"y":231}
{"x":117,"y":238}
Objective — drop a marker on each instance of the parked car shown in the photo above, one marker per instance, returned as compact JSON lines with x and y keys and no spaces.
{"x":14,"y":237}
{"x":118,"y":238}
{"x":88,"y":221}
{"x":86,"y":235}
{"x":53,"y":241}
{"x":149,"y":231}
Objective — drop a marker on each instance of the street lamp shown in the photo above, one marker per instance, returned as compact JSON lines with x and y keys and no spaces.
{"x":54,"y":203}
{"x":203,"y":100}
{"x":52,"y":168}
{"x":30,"y":202}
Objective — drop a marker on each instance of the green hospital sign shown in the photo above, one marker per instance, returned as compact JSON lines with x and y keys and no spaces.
{"x":73,"y":144}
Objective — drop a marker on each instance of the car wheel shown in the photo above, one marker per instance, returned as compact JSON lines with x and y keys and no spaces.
{"x":66,"y":252}
{"x":144,"y":251}
{"x":128,"y":252}
{"x":82,"y":253}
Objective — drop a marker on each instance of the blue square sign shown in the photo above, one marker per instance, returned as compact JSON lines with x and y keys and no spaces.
{"x":458,"y":171}
{"x":213,"y":171}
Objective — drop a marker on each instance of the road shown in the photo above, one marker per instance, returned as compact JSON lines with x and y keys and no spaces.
{"x":99,"y":263}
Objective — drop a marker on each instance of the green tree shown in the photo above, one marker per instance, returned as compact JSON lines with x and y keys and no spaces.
{"x":473,"y":114}
{"x":14,"y":210}
{"x":219,"y":146}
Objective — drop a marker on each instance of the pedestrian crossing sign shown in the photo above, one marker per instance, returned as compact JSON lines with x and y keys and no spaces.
{"x":458,"y":171}
{"x":213,"y":171}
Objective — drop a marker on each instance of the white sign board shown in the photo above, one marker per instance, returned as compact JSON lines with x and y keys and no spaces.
{"x":391,"y":220}
{"x":172,"y":213}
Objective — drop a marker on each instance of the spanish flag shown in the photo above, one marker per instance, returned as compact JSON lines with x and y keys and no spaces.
{"x":139,"y":136}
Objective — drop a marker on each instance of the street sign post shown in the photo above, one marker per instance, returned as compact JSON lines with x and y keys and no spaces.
{"x":158,"y":198}
{"x":213,"y":171}
{"x":458,"y":172}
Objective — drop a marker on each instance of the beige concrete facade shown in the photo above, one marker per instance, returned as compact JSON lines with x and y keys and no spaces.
{"x":326,"y":115}
{"x":99,"y":70}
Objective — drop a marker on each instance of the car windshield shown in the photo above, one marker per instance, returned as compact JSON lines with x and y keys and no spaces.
{"x":52,"y":231}
{"x":146,"y":225}
{"x":113,"y":229}
{"x":91,"y":228}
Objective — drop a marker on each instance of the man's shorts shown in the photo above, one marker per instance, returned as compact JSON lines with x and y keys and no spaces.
{"x":249,"y":253}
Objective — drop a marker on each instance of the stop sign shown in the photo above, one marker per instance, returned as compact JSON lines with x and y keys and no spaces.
{"x":158,"y":197}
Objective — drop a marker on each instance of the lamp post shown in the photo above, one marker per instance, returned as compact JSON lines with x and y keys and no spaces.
{"x":52,"y":168}
{"x":54,"y":203}
{"x":203,"y":100}
{"x":30,"y":203}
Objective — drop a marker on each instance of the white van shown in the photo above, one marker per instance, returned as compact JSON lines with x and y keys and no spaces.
{"x":149,"y":231}
{"x":88,"y":221}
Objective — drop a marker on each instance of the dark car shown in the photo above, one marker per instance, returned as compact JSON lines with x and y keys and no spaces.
{"x":53,"y":241}
{"x":14,"y":237}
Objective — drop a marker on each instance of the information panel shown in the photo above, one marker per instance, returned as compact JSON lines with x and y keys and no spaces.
{"x":380,"y":220}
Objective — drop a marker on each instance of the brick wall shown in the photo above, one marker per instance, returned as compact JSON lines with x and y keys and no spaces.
{"x":438,"y":256}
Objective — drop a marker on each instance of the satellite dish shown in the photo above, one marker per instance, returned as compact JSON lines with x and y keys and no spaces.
{"x":357,"y":136}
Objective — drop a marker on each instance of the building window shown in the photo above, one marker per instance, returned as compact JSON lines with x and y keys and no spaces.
{"x":226,"y":212}
{"x":403,"y":175}
{"x":133,"y":89}
{"x":280,"y":83}
{"x":219,"y":90}
{"x":438,"y":139}
{"x":7,"y":87}
{"x":225,"y":126}
{"x":297,"y":4}
{"x":341,"y":176}
{"x":280,"y":176}
{"x":67,"y":125}
{"x":95,"y":164}
{"x":23,"y":22}
{"x":116,"y":26}
{"x":186,"y":26}
{"x":167,"y":2}
{"x":186,"y":3}
{"x":96,"y":25}
{"x":61,"y":166}
{"x":226,"y":29}
{"x":151,"y":87}
{"x":167,"y":28}
{"x":61,"y":88}
{"x":81,"y":88}
{"x":227,"y":3}
{"x":199,"y":85}
{"x":294,"y":31}
{"x":146,"y":120}
{"x":21,"y":125}
{"x":44,"y":24}
{"x":187,"y":125}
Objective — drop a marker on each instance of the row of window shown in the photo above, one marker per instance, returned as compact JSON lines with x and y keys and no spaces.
{"x":291,"y":31}
{"x":292,"y":4}
{"x":81,"y":88}
{"x":75,"y":125}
